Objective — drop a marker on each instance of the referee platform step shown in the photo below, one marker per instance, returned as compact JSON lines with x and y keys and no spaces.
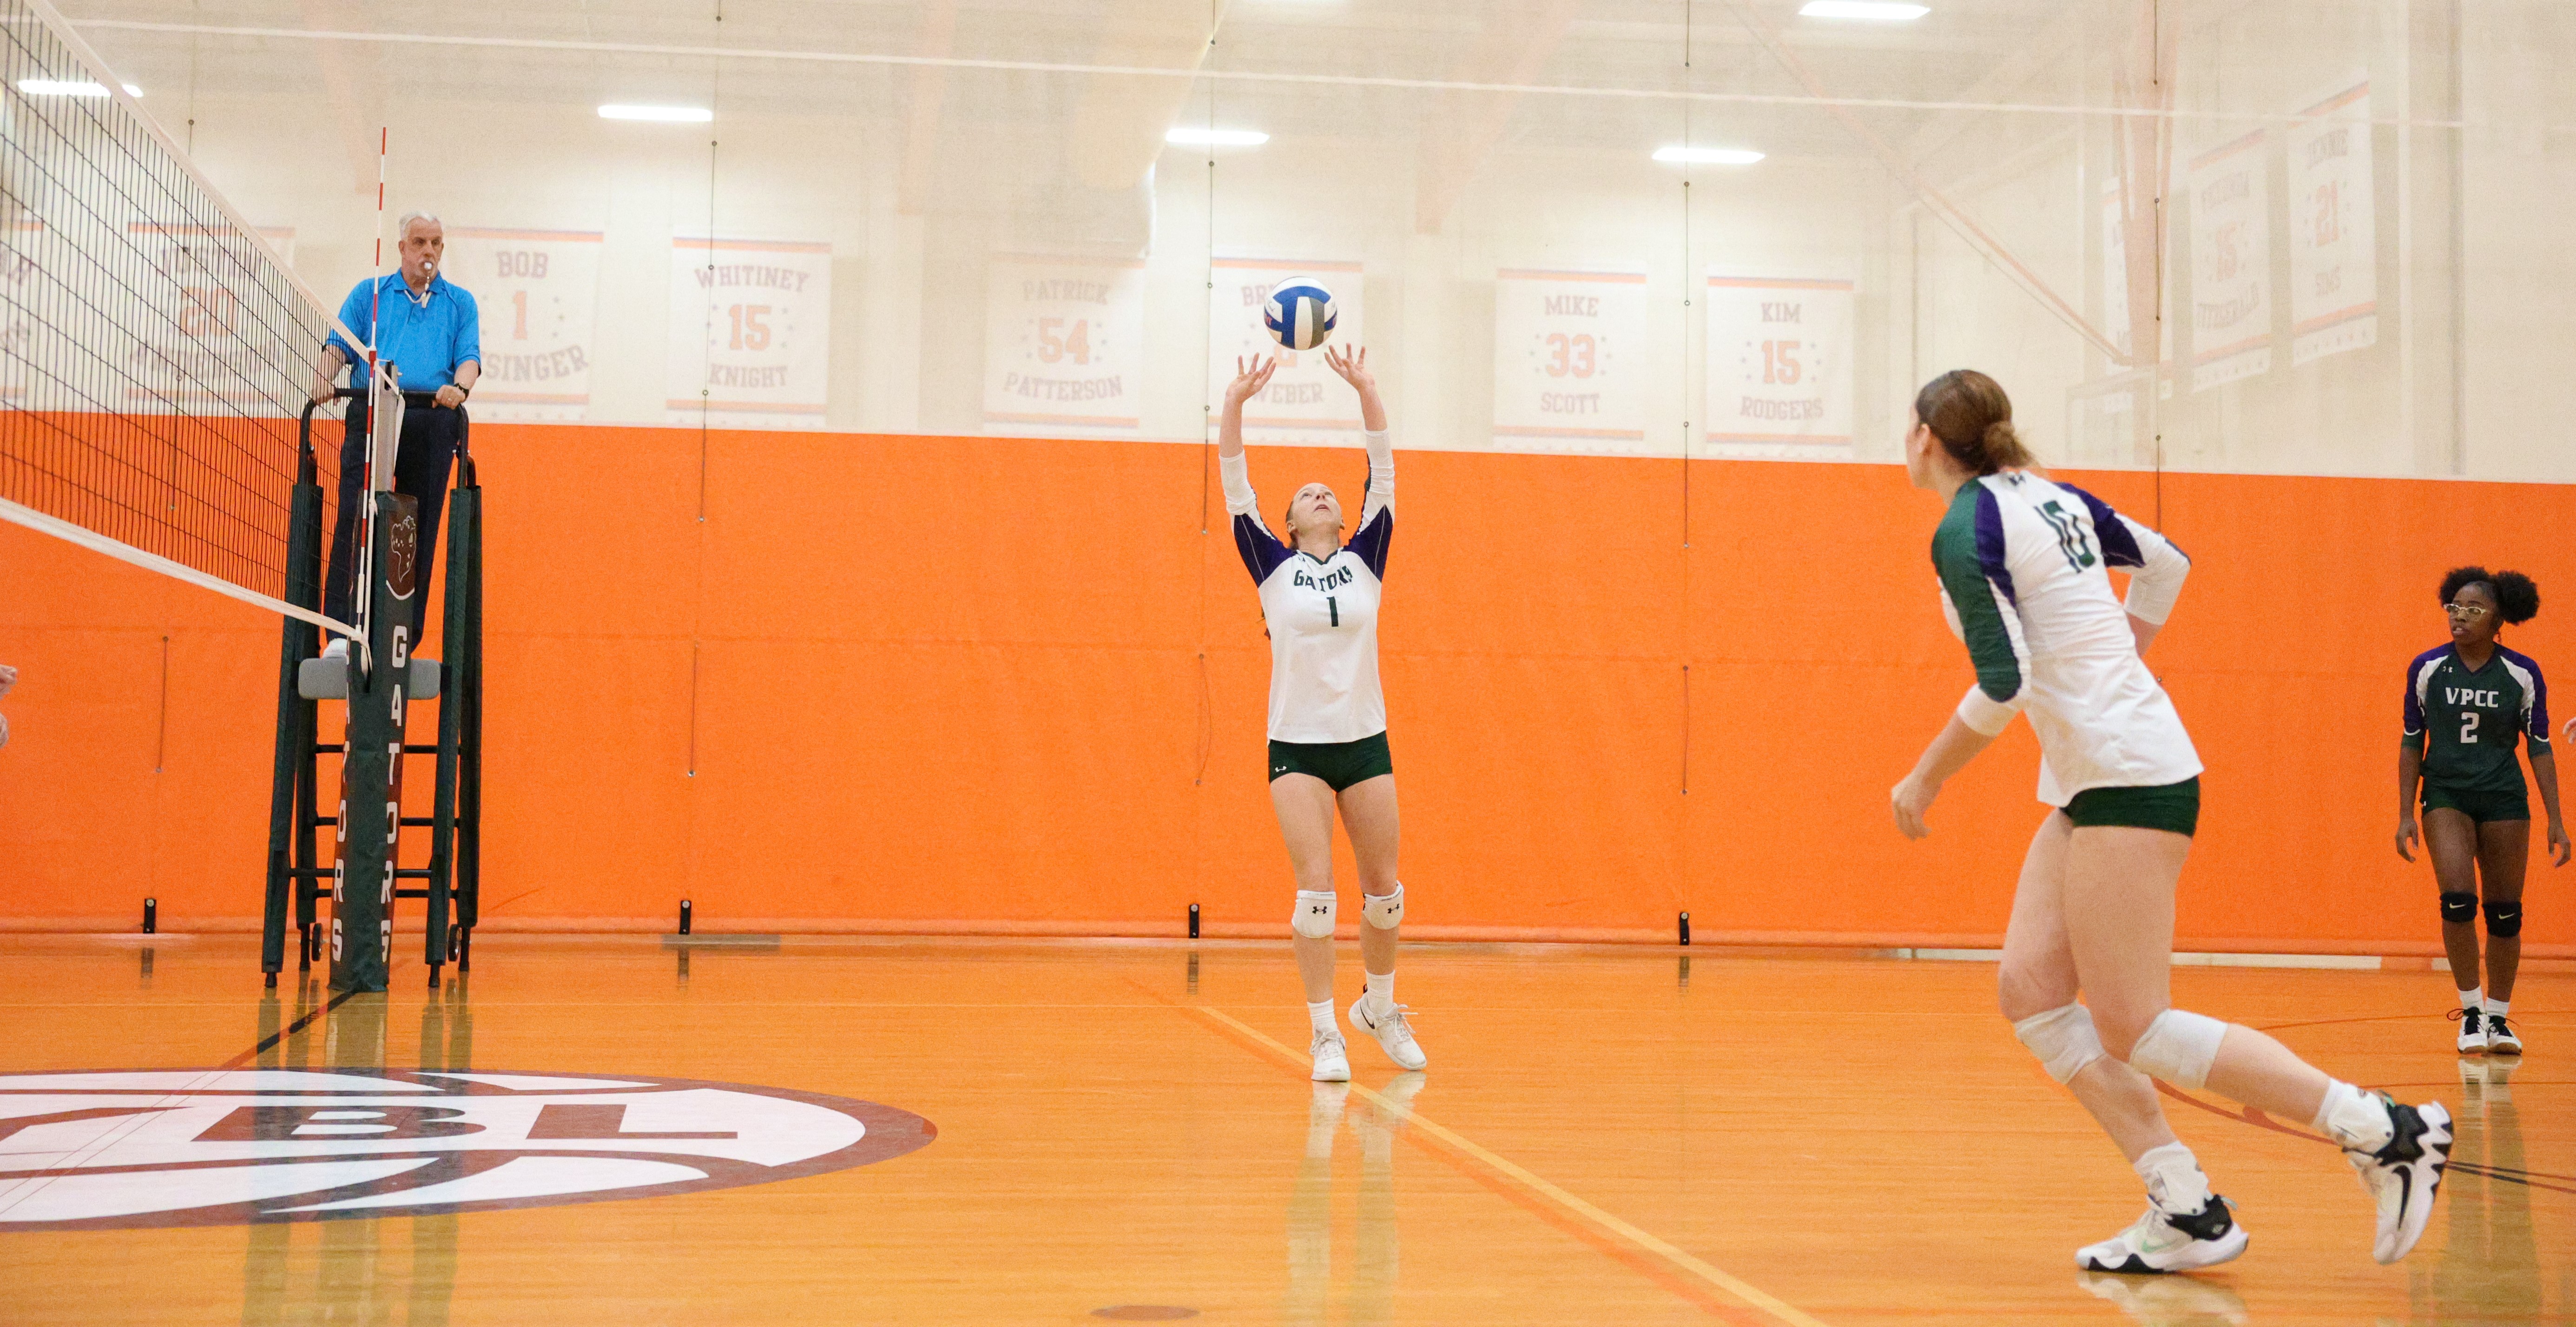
{"x":327,"y":678}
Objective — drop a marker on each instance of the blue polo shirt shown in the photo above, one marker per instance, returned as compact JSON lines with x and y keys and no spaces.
{"x":427,"y":340}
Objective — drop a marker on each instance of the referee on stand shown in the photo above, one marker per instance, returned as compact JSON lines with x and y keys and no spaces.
{"x":428,"y":328}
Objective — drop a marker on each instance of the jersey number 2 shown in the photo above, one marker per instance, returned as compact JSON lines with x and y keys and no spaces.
{"x":2070,"y":535}
{"x":2469,"y":728}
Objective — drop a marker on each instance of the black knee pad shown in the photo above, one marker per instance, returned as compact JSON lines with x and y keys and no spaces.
{"x":2459,"y":907}
{"x":2504,"y":920}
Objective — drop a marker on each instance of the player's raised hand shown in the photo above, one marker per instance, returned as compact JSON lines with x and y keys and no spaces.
{"x":1250,"y":376}
{"x":2408,"y":837}
{"x":8,"y":678}
{"x":1352,"y":364}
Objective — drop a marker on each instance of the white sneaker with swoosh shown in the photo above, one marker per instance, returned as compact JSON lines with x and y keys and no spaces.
{"x":1387,"y":1023}
{"x":2403,"y":1177}
{"x":2163,"y":1242}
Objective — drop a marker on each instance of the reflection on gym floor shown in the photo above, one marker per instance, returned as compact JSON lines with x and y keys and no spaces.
{"x":1369,"y":1297}
{"x":2490,"y":1268}
{"x":328,"y":1271}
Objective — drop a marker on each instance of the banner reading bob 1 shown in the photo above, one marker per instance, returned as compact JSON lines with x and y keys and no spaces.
{"x":751,"y":327}
{"x":538,"y":291}
{"x":1780,"y":367}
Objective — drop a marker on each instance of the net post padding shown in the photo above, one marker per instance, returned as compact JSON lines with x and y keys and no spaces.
{"x":362,"y":880}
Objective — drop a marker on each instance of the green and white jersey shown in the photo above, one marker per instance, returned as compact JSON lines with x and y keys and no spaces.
{"x":2466,"y":720}
{"x":2025,"y":581}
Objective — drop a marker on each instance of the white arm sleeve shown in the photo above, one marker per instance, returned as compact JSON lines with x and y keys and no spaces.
{"x":2155,"y":586}
{"x":1237,"y":475}
{"x":1985,"y":713}
{"x":1381,"y":489}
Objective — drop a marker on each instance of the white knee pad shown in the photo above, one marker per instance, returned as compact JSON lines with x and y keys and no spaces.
{"x":1383,"y":911}
{"x":1315,"y":911}
{"x":2179,"y":1048}
{"x":2063,"y":1039}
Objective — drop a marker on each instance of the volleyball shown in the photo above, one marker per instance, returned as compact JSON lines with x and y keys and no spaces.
{"x":1299,"y":313}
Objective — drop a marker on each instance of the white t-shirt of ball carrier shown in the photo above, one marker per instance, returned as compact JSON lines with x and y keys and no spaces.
{"x":1322,"y":612}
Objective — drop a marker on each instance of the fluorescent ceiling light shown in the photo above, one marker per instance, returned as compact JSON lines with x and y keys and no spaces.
{"x":661,"y":114}
{"x":59,"y":87}
{"x":1217,"y":137}
{"x":1876,"y":11}
{"x":1708,"y":156}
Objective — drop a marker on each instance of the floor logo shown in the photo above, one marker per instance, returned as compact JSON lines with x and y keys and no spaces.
{"x":177,"y":1147}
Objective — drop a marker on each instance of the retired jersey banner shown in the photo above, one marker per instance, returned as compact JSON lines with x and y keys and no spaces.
{"x":2334,"y":246}
{"x":19,"y":284}
{"x":1305,"y":401}
{"x":538,"y":291}
{"x":194,"y":339}
{"x":2231,"y":263}
{"x":1779,"y":367}
{"x":1064,"y":345}
{"x":1569,"y":360}
{"x":751,"y":332}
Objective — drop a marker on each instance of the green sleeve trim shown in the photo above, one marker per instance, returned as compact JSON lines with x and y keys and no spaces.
{"x":1962,"y":571}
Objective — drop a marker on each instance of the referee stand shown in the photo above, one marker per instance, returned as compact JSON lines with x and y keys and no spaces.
{"x":377,"y":682}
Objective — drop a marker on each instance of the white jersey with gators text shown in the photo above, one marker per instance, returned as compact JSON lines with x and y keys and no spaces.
{"x":1322,"y":612}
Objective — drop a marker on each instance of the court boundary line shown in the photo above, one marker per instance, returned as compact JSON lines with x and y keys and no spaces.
{"x":1750,"y":1295}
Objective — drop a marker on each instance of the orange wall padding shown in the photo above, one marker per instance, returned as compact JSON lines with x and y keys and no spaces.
{"x":920,"y":683}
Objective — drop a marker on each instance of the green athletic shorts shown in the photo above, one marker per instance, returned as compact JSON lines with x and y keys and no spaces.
{"x":2480,"y":807}
{"x":2172,"y":807}
{"x":1338,"y":764}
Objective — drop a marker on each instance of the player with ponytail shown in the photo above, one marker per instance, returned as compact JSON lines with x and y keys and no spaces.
{"x":2468,"y":703}
{"x":1328,"y":752}
{"x":2023,"y":564}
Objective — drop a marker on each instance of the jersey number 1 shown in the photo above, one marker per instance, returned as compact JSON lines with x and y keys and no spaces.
{"x":2070,"y":535}
{"x":1335,"y":607}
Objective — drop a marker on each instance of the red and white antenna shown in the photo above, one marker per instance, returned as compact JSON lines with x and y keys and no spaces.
{"x":373,"y":396}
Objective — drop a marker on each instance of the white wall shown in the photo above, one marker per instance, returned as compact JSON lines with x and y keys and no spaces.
{"x":2465,"y":377}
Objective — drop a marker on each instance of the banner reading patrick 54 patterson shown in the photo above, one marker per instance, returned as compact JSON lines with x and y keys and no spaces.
{"x":1063,"y":342}
{"x":751,"y":327}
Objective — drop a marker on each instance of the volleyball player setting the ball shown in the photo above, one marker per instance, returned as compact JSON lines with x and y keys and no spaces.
{"x":2023,"y":564}
{"x":1319,"y":599}
{"x":2467,"y":703}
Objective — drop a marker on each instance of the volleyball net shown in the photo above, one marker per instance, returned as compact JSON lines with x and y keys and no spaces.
{"x":156,"y":355}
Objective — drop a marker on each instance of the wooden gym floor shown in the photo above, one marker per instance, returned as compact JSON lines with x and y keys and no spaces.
{"x":1605,"y":1135}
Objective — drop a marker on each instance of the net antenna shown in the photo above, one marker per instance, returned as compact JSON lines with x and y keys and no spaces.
{"x":155,"y":348}
{"x":384,"y":411}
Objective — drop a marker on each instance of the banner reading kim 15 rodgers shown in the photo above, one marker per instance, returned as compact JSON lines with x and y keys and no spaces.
{"x":539,"y":294}
{"x":1780,"y":367}
{"x":751,"y":325}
